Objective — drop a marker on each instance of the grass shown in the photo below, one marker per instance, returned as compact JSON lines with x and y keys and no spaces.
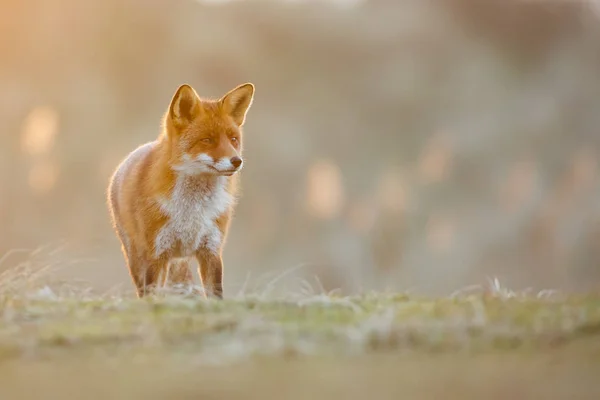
{"x":57,"y":339}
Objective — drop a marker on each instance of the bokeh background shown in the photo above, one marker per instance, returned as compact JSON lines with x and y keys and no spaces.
{"x":392,"y":145}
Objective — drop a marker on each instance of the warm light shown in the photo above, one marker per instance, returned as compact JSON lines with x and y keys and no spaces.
{"x":392,"y":192}
{"x":584,"y":168}
{"x":435,"y":161}
{"x":39,"y":131}
{"x":325,"y":192}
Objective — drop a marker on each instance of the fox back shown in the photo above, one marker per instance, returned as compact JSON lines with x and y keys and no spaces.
{"x":171,"y":200}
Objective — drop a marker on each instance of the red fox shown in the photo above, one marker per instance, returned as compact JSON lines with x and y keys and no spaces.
{"x":171,"y":200}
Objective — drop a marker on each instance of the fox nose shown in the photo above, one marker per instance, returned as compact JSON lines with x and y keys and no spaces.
{"x":236,"y":162}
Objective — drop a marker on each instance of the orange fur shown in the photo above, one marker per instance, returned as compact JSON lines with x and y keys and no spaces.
{"x":171,"y":200}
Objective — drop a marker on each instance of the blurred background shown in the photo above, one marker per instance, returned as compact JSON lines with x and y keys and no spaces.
{"x":392,"y":145}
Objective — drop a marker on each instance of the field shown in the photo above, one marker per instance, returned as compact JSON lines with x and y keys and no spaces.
{"x":480,"y":343}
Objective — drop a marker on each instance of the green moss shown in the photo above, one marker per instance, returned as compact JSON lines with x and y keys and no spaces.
{"x":337,"y":325}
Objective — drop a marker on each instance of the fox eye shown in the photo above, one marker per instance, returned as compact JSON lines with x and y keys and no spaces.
{"x":234,"y":139}
{"x":206,"y":140}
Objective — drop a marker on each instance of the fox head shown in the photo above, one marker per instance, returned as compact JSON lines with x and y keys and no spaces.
{"x":206,"y":135}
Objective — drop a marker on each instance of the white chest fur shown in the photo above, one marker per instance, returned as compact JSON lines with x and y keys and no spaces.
{"x":192,"y":211}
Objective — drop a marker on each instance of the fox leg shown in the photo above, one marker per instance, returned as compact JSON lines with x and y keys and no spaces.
{"x":210,"y":268}
{"x":132,"y":262}
{"x":146,"y":272}
{"x":178,"y":272}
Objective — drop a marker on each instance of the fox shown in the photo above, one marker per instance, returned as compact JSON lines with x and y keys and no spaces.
{"x":171,"y":200}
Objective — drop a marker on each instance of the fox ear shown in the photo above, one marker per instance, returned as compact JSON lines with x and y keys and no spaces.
{"x":185,"y":105}
{"x":237,"y":102}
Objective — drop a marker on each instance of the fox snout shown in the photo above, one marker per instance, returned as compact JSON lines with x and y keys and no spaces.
{"x":204,"y":163}
{"x":226,"y":164}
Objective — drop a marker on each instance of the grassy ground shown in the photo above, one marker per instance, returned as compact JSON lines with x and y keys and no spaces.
{"x":492,"y":344}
